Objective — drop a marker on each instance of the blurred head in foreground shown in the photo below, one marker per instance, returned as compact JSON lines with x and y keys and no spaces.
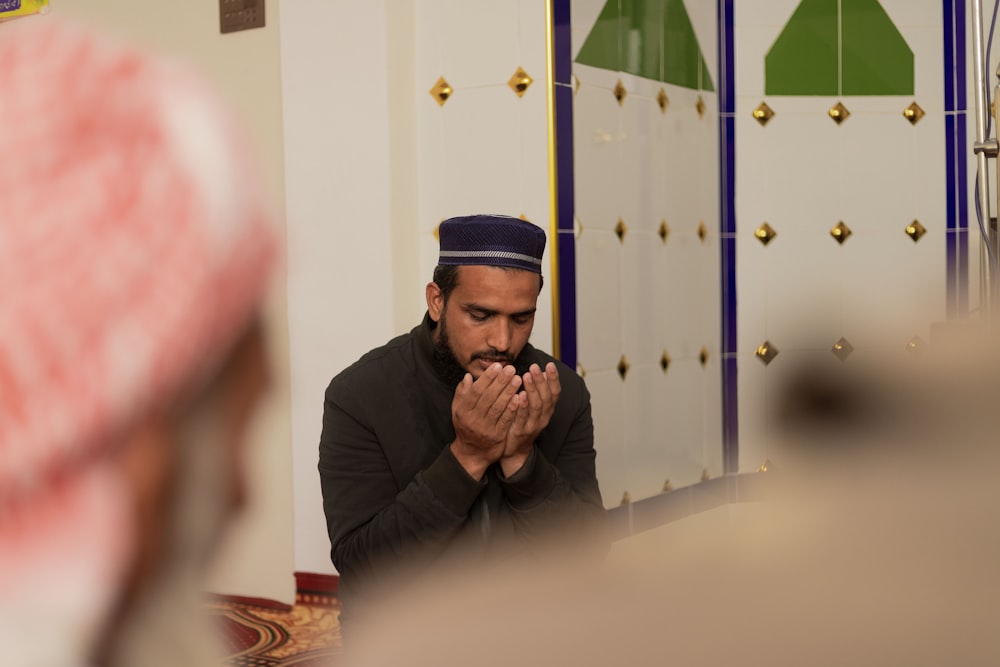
{"x":134,"y":253}
{"x":877,"y":545}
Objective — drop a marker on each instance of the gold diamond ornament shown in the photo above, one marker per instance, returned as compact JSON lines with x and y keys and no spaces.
{"x":620,"y":92}
{"x":765,"y":466}
{"x":840,"y":232}
{"x":441,"y":91}
{"x":703,"y":356}
{"x":913,"y":113}
{"x":520,"y":82}
{"x":700,"y":107}
{"x":765,"y":233}
{"x":763,"y":113}
{"x":621,"y":229}
{"x":766,"y":352}
{"x":702,"y":230}
{"x":662,"y":100}
{"x":842,"y":349}
{"x":623,"y":367}
{"x":916,"y":345}
{"x":915,"y":230}
{"x":665,"y":361}
{"x":663,"y":231}
{"x":839,"y":113}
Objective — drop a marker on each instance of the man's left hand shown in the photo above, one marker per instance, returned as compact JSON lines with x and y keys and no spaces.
{"x":534,"y":410}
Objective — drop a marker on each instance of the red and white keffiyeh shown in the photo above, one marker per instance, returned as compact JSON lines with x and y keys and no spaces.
{"x":134,"y":247}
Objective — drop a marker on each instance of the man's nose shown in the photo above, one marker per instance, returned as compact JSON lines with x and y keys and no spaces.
{"x":500,"y":334}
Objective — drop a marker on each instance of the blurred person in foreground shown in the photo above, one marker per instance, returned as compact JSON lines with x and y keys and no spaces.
{"x":877,"y":545}
{"x":134,"y":253}
{"x":459,"y":443}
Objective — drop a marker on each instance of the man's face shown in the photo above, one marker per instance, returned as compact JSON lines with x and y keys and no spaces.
{"x":488,"y":316}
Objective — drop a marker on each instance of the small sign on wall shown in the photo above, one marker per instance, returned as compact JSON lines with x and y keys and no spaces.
{"x":237,"y":15}
{"x":12,"y":9}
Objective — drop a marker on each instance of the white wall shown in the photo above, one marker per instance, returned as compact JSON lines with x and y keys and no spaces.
{"x":257,"y":557}
{"x":374,"y":164}
{"x":340,"y":278}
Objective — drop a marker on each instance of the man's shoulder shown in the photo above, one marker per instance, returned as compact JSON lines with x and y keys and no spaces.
{"x":374,"y":365}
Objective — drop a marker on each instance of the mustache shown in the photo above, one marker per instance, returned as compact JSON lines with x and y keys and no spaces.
{"x":494,"y":355}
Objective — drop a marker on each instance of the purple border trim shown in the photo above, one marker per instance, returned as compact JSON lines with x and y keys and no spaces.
{"x":562,"y":58}
{"x":727,"y":229}
{"x":956,"y":161}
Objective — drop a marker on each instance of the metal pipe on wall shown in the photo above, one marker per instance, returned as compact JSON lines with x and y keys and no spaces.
{"x":987,"y":299}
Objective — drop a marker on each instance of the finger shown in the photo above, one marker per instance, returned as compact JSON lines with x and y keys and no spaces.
{"x":513,"y":412}
{"x":532,"y":392}
{"x":503,"y":399}
{"x":552,"y":375}
{"x":541,"y":381}
{"x":483,"y":392}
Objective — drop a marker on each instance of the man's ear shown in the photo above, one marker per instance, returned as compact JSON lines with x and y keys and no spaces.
{"x":435,"y":301}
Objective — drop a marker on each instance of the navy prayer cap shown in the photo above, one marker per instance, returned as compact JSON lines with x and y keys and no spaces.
{"x":491,"y":240}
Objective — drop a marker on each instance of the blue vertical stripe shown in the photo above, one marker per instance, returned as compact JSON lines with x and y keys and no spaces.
{"x":562,"y":60}
{"x":956,"y":160}
{"x":949,"y":55}
{"x":727,"y":229}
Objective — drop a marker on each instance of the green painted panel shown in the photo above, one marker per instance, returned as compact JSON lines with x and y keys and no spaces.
{"x":603,"y":47}
{"x":653,"y":39}
{"x":803,"y":60}
{"x":875,"y":58}
{"x":839,"y":47}
{"x":683,"y":62}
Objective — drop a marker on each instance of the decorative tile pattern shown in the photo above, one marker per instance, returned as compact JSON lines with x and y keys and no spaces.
{"x":763,"y":113}
{"x":766,"y":352}
{"x":842,"y":349}
{"x":913,"y":113}
{"x":620,"y":93}
{"x":915,"y":230}
{"x":621,"y":229}
{"x":623,"y":367}
{"x":520,"y":82}
{"x":662,"y":100}
{"x":765,"y":233}
{"x":441,"y":91}
{"x":840,"y":232}
{"x":663,"y":231}
{"x":839,"y":113}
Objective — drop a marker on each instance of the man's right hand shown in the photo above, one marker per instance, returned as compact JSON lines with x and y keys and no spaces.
{"x":482,"y":412}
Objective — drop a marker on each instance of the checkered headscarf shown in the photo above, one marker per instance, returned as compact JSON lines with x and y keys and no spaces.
{"x":134,"y":248}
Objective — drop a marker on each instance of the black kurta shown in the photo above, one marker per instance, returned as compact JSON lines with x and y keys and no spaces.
{"x":394,"y":494}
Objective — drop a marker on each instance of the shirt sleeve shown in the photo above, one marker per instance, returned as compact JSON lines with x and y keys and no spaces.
{"x":413,"y":525}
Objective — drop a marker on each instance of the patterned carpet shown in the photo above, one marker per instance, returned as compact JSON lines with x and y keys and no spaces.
{"x":307,"y":635}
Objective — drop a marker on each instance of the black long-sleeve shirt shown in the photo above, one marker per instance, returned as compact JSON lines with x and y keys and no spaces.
{"x":394,"y":494}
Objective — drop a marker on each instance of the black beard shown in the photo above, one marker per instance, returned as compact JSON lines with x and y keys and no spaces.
{"x":445,"y":362}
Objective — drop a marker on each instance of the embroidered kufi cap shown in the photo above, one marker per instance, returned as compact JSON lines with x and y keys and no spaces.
{"x":492,"y":240}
